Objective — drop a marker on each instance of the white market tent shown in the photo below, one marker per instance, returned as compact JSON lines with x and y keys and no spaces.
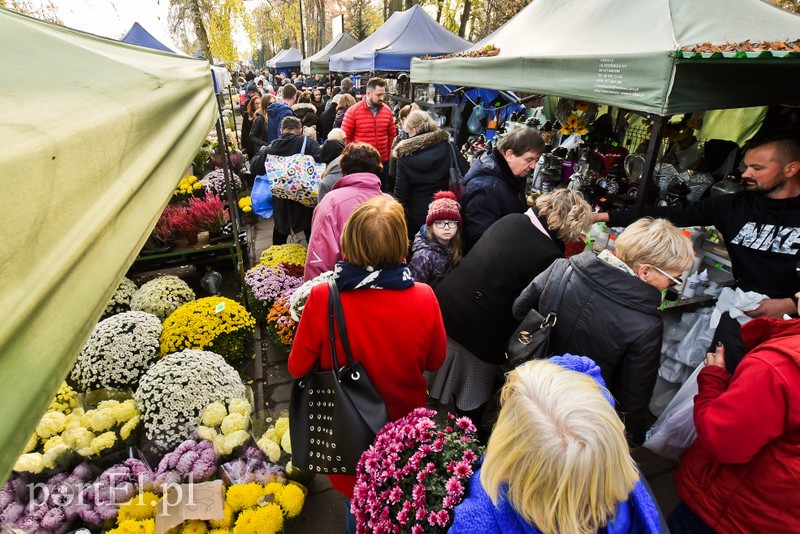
{"x":405,"y":35}
{"x":285,"y":59}
{"x":319,"y":62}
{"x":84,"y":186}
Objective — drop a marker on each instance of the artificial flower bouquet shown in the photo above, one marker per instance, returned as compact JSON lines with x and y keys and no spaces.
{"x":173,"y":393}
{"x":118,"y":352}
{"x":162,"y":296}
{"x":215,"y":323}
{"x":121,"y":299}
{"x":226,"y":426}
{"x":252,"y":465}
{"x":575,"y":116}
{"x":280,"y":326}
{"x":414,"y":474}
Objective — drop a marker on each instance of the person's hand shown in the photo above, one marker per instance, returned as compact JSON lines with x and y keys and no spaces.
{"x":773,"y":308}
{"x":717,"y":357}
{"x":599,"y":217}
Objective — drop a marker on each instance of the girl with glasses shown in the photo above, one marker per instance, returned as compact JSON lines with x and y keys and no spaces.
{"x":437,"y":246}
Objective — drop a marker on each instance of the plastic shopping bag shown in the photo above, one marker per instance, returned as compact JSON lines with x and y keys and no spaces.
{"x":673,"y":432}
{"x":261,"y":196}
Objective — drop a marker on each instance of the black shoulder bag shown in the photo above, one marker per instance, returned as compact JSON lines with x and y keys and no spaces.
{"x":334,"y":415}
{"x":531,"y":340}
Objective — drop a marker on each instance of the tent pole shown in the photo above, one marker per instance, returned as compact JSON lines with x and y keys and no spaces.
{"x":650,"y":159}
{"x":235,"y":129}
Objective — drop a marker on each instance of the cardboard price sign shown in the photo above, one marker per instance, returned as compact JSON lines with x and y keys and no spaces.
{"x":204,"y":501}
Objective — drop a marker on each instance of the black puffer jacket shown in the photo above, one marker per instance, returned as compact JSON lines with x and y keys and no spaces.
{"x":258,"y":133}
{"x":423,"y":165}
{"x":491,"y":192}
{"x":477,"y":295}
{"x":610,"y":316}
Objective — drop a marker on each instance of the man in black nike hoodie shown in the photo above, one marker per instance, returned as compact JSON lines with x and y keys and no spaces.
{"x":761,"y":228}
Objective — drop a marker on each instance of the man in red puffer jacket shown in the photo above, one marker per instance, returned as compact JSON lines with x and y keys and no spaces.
{"x":742,"y":473}
{"x":372,"y":122}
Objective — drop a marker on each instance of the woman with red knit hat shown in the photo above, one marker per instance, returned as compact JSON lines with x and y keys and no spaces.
{"x":437,"y":246}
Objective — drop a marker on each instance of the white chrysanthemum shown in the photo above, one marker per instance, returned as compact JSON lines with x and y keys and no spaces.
{"x":118,"y":352}
{"x":271,"y":449}
{"x":234,"y":422}
{"x":162,"y":296}
{"x":174,"y":392}
{"x":121,"y":299}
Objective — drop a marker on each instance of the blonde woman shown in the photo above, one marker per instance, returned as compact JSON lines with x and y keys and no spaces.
{"x":393,"y":324}
{"x":609,"y":311}
{"x":477,"y":295}
{"x":345,"y":102}
{"x":423,"y":167}
{"x":557,"y":461}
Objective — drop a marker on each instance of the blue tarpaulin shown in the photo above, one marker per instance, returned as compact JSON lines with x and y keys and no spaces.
{"x":137,"y":35}
{"x":405,"y":35}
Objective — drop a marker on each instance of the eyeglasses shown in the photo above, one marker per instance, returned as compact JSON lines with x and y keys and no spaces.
{"x":445,"y":224}
{"x":673,"y":281}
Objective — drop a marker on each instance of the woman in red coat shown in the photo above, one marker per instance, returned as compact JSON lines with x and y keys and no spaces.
{"x":742,"y":473}
{"x":394,"y":325}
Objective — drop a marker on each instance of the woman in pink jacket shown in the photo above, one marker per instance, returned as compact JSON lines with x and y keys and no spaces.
{"x":361,"y":168}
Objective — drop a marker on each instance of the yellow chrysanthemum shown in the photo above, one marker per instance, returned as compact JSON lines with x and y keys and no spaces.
{"x":99,"y":420}
{"x":240,"y":406}
{"x":65,"y":399}
{"x":130,"y":426}
{"x":289,"y":253}
{"x":206,"y":433}
{"x":286,"y":442}
{"x":131,"y":526}
{"x":78,"y":437}
{"x":220,"y":531}
{"x":50,"y":424}
{"x":213,"y":414}
{"x":32,"y":462}
{"x":33,"y":441}
{"x":274,"y":488}
{"x":55,"y":441}
{"x":194,"y":527}
{"x":102,"y":442}
{"x":140,"y":507}
{"x":270,"y":448}
{"x":234,"y":422}
{"x":54,"y":454}
{"x":291,"y":500}
{"x":125,"y":411}
{"x":225,"y":523}
{"x":281,"y":427}
{"x":241,"y":496}
{"x":263,"y":520}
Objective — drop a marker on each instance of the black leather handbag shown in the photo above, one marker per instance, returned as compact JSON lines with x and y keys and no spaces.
{"x":334,"y":415}
{"x":531,"y":340}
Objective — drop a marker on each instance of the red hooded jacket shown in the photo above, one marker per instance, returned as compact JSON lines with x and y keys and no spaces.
{"x":378,"y":130}
{"x":742,"y":473}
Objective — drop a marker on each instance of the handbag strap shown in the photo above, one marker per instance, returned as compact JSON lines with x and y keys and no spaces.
{"x":336,"y":315}
{"x":303,"y":149}
{"x":552,"y":317}
{"x":453,"y":157}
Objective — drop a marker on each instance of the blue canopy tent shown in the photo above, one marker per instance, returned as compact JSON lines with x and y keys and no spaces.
{"x":290,"y":58}
{"x":137,"y":35}
{"x":405,"y":35}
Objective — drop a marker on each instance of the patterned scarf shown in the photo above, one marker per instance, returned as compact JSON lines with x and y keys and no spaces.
{"x":349,"y":277}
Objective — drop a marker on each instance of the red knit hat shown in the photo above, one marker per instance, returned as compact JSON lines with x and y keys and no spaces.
{"x":444,"y":207}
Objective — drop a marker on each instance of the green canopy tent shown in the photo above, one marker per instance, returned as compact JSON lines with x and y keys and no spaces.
{"x":319,"y":62}
{"x":628,"y":53}
{"x":88,"y":165}
{"x":635,"y":55}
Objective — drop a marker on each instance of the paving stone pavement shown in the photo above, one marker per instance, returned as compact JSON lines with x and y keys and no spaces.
{"x":324,"y":508}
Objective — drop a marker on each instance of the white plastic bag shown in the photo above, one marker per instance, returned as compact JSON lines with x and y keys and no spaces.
{"x":673,"y":432}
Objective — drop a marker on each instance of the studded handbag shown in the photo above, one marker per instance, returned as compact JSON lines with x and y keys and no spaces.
{"x":334,"y":415}
{"x":531,"y":340}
